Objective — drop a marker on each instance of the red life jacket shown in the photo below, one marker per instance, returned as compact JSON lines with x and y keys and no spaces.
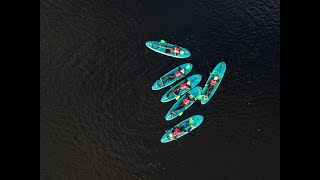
{"x":213,"y":82}
{"x":176,"y":132}
{"x":177,"y":74}
{"x":183,"y":86}
{"x":176,"y":50}
{"x":186,"y":100}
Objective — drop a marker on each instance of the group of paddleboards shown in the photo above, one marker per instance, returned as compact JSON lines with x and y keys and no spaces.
{"x":186,"y":92}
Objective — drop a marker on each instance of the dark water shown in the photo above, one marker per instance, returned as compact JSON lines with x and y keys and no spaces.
{"x":99,"y":118}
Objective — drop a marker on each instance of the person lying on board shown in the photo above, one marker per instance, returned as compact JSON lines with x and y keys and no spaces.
{"x":186,"y":85}
{"x":212,"y":83}
{"x":186,"y":101}
{"x":183,"y":128}
{"x":176,"y":50}
{"x":176,"y":74}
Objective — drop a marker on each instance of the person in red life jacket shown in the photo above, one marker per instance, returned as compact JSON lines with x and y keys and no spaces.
{"x":189,"y":98}
{"x":176,"y":50}
{"x":212,"y":83}
{"x":186,"y":85}
{"x":178,"y":73}
{"x":183,"y":128}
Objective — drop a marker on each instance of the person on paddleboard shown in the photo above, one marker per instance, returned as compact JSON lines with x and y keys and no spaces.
{"x":176,"y":50}
{"x":186,"y":85}
{"x":184,"y":128}
{"x":189,"y":98}
{"x":212,"y":83}
{"x":176,"y":74}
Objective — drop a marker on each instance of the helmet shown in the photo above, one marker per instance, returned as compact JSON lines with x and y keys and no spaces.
{"x":191,"y":96}
{"x":170,"y":135}
{"x":181,"y":51}
{"x":182,"y":70}
{"x":188,"y":83}
{"x":216,"y":78}
{"x":191,"y":121}
{"x":188,"y":66}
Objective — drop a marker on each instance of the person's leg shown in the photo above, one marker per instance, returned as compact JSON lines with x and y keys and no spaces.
{"x":164,"y":79}
{"x":173,"y":92}
{"x":181,"y":106}
{"x":176,"y":91}
{"x":178,"y":108}
{"x":183,"y":128}
{"x":168,"y":78}
{"x":173,"y":129}
{"x":209,"y":90}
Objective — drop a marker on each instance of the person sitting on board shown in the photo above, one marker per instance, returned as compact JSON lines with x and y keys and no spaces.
{"x":189,"y":98}
{"x":212,"y":83}
{"x":178,"y":73}
{"x":176,"y":50}
{"x":186,"y":85}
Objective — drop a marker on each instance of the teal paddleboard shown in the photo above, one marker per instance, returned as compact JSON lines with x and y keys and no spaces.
{"x":172,"y":94}
{"x":164,"y":81}
{"x":159,"y":47}
{"x":219,"y":71}
{"x":173,"y":112}
{"x":188,"y":125}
